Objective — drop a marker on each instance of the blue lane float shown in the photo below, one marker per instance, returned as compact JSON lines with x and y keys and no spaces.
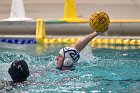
{"x":18,"y":40}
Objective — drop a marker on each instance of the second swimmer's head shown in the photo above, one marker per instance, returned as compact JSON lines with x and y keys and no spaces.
{"x":19,"y":71}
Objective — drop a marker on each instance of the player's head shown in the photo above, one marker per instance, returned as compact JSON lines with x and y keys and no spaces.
{"x":19,"y":71}
{"x":67,"y":57}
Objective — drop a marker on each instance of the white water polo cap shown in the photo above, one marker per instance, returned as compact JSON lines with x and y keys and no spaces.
{"x":71,"y":56}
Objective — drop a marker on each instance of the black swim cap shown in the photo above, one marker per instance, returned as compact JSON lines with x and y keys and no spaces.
{"x":19,"y":71}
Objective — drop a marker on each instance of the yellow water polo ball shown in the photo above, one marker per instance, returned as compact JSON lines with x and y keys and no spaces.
{"x":99,"y":21}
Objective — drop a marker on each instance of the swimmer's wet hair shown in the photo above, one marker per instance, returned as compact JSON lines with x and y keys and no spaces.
{"x":19,"y":71}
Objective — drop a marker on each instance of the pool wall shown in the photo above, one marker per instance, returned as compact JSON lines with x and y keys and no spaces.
{"x":124,"y":15}
{"x":121,"y":28}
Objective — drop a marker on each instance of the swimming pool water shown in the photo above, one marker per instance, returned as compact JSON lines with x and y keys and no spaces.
{"x":99,"y":70}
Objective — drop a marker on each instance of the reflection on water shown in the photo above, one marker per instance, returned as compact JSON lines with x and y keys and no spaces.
{"x":98,"y":70}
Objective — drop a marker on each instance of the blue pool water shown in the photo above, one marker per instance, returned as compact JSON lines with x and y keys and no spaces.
{"x":99,"y":70}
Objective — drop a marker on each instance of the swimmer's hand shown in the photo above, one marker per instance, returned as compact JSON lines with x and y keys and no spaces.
{"x":99,"y":33}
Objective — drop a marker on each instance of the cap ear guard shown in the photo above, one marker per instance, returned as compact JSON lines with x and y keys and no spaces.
{"x":68,"y":62}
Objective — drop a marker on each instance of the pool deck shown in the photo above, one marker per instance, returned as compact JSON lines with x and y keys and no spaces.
{"x":53,"y":9}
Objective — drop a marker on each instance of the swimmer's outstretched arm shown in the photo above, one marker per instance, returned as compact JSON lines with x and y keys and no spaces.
{"x":84,"y":41}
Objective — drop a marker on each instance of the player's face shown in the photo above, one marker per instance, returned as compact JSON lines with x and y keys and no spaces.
{"x":59,"y":59}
